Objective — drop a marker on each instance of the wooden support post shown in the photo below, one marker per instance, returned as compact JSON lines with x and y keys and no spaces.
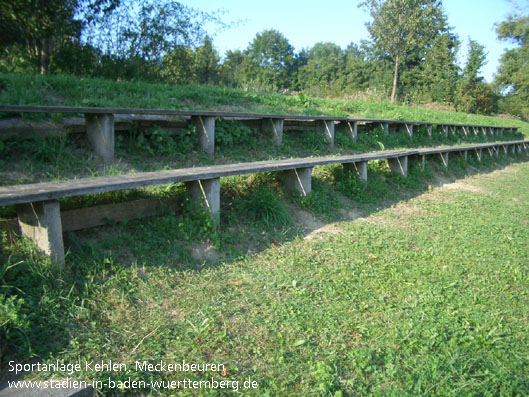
{"x":446,"y":131}
{"x":505,"y":150}
{"x":206,"y":132}
{"x":484,"y":131}
{"x":326,"y":127}
{"x":359,"y":169}
{"x":100,"y":131}
{"x":399,"y":165}
{"x":205,"y":193}
{"x":423,"y":163}
{"x":276,"y":127}
{"x":444,"y":157}
{"x":298,"y":180}
{"x":465,"y":154}
{"x":41,"y":223}
{"x":430,"y":131}
{"x":465,"y":130}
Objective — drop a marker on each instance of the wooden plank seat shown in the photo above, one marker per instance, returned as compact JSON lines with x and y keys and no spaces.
{"x":39,"y":215}
{"x":100,"y":124}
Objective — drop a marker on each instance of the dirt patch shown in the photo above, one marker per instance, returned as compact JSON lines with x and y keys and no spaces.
{"x":327,"y":229}
{"x":304,"y":219}
{"x":462,"y":186}
{"x":204,"y":252}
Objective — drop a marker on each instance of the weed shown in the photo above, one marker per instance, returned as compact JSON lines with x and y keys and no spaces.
{"x":263,"y":206}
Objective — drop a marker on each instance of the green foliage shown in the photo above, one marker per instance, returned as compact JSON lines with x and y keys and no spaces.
{"x":324,"y":71}
{"x":513,"y":72}
{"x":263,"y":205}
{"x":323,"y":199}
{"x":268,"y":61}
{"x":231,"y":133}
{"x":419,"y":22}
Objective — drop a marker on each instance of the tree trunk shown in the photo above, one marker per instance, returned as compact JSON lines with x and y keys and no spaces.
{"x":44,"y":56}
{"x":395,"y":80}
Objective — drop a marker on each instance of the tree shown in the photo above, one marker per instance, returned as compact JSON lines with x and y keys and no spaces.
{"x":401,"y":28}
{"x":439,"y":71}
{"x":205,"y":63}
{"x":39,"y":29}
{"x":513,"y":72}
{"x":324,"y":69}
{"x":473,"y":94}
{"x":269,"y":61}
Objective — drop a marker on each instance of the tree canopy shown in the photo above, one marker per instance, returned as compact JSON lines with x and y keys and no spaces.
{"x":402,"y":29}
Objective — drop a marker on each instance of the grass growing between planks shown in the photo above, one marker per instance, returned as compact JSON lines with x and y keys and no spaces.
{"x":426,"y":294}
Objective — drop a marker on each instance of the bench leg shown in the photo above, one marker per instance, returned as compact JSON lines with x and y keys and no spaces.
{"x":359,"y":169}
{"x":206,"y":193}
{"x":100,"y":130}
{"x":276,"y":126}
{"x":444,"y":158}
{"x":326,"y":127}
{"x":41,"y":223}
{"x":298,"y":180}
{"x":399,"y":165}
{"x":206,"y":132}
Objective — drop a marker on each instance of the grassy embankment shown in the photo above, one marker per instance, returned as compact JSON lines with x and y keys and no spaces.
{"x":428,"y":296}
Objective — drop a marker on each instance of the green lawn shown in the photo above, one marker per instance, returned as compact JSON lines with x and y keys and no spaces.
{"x":426,"y":293}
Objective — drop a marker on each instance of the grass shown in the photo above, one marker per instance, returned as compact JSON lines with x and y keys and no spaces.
{"x":407,"y":289}
{"x":424,"y":295}
{"x":66,"y":90}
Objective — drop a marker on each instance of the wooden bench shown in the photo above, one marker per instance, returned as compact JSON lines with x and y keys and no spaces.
{"x":100,"y":124}
{"x":39,"y":215}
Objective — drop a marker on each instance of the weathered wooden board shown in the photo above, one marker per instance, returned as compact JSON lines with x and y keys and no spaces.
{"x":54,"y":190}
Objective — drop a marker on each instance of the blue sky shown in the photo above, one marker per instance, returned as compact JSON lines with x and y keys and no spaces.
{"x":306,"y":22}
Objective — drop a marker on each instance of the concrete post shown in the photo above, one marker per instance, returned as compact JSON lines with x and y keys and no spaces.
{"x":41,"y":223}
{"x":359,"y":169}
{"x":409,"y":129}
{"x":444,"y":157}
{"x":465,"y":154}
{"x":298,"y":180}
{"x":206,"y":193}
{"x":399,"y":165}
{"x":326,"y":127}
{"x":385,"y":127}
{"x":206,"y":132}
{"x":479,"y":154}
{"x":351,"y":127}
{"x":353,"y":131}
{"x":275,"y":126}
{"x":430,"y":130}
{"x":100,"y":131}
